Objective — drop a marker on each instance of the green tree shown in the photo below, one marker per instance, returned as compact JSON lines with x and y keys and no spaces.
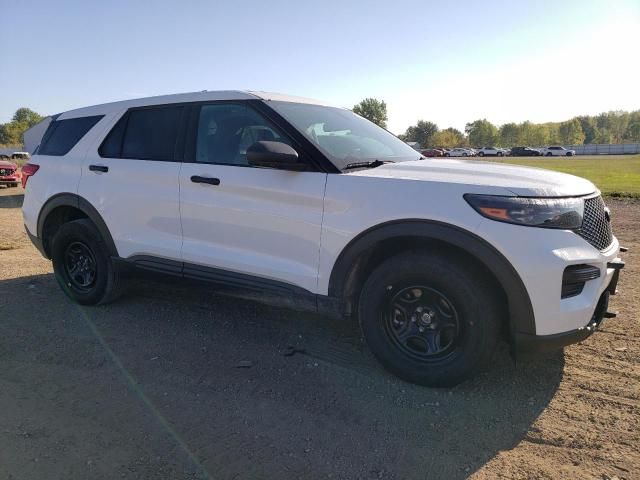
{"x":481,"y":133}
{"x":589,"y":128}
{"x":570,"y":132}
{"x":23,"y":119}
{"x":4,"y":135}
{"x":448,"y":138}
{"x":374,"y":110}
{"x":26,"y":116}
{"x":422,"y":132}
{"x":508,"y":135}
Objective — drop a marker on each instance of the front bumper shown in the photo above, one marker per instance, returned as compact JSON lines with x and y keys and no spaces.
{"x":532,"y":344}
{"x":9,"y":180}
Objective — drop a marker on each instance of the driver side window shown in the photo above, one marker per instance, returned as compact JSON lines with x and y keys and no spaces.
{"x":226,"y":131}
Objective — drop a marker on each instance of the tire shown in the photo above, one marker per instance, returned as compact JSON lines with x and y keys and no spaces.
{"x":569,"y":154}
{"x":481,"y":154}
{"x":95,"y":279}
{"x":548,"y":154}
{"x":453,"y":293}
{"x":447,"y":155}
{"x":500,"y":154}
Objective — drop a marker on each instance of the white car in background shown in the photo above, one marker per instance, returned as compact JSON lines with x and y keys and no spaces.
{"x":492,"y":152}
{"x":459,"y":152}
{"x":557,"y":151}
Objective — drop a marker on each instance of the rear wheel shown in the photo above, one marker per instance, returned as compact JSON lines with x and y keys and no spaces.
{"x":82,"y":265}
{"x":500,"y":154}
{"x":549,"y":154}
{"x":428,"y":318}
{"x":481,"y":154}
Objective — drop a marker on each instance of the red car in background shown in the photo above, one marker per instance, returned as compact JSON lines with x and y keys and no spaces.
{"x":9,"y":175}
{"x":432,"y":152}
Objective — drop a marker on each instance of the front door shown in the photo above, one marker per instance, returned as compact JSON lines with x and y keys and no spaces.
{"x":238,"y":219}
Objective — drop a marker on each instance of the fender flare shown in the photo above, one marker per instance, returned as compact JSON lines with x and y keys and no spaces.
{"x":521,"y":317}
{"x":76,"y":201}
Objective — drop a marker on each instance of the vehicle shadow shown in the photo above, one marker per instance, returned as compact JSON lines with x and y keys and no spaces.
{"x":176,"y":379}
{"x":11,"y":201}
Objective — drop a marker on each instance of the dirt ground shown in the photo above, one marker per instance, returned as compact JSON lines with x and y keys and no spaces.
{"x":176,"y":381}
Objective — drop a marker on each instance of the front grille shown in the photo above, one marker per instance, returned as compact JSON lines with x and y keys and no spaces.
{"x":596,"y":224}
{"x":5,"y":172}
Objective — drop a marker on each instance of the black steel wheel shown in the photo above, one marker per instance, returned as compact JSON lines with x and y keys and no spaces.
{"x":82,"y":264}
{"x":422,"y":322}
{"x":430,"y":317}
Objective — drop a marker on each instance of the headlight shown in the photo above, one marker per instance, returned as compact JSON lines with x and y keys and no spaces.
{"x":564,"y":213}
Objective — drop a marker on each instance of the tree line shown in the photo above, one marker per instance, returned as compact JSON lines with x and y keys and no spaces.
{"x":607,"y":127}
{"x":11,"y":132}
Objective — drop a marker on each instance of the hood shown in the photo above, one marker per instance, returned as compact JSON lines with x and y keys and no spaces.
{"x":5,"y":164}
{"x":522,"y":181}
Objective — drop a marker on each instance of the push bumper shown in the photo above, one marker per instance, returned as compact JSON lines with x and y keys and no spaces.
{"x":527,"y":344}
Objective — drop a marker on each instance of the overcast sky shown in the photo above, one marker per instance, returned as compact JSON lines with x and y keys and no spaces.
{"x":449,"y":62}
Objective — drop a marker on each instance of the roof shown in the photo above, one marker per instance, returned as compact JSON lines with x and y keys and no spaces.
{"x":202,"y":96}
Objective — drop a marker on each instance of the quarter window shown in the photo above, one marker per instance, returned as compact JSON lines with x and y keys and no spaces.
{"x":63,"y":135}
{"x":226,"y":131}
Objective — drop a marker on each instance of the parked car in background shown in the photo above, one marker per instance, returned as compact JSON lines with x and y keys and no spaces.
{"x":557,"y":151}
{"x":4,"y":157}
{"x":492,"y":152}
{"x":472,"y":151}
{"x":524,"y":152}
{"x":458,"y":152}
{"x":20,"y":155}
{"x":433,"y":152}
{"x":9,"y":175}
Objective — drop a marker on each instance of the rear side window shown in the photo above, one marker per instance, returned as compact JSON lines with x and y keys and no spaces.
{"x":144,"y":134}
{"x":63,"y":135}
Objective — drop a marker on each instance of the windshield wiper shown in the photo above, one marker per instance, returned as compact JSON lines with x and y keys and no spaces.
{"x":373,"y":164}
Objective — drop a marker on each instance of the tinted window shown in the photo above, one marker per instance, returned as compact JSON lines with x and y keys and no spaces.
{"x":62,"y":135}
{"x":225,"y":131}
{"x":150,"y":133}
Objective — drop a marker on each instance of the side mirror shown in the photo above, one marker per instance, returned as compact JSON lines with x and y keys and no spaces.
{"x":274,"y":155}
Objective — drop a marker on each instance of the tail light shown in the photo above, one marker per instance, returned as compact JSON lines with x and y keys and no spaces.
{"x":28,"y":170}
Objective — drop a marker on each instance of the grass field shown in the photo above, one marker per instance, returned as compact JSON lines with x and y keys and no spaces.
{"x":614,"y":175}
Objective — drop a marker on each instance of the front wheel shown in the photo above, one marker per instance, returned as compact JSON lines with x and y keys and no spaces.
{"x":82,"y":265}
{"x":500,"y":154}
{"x":428,"y":318}
{"x":548,"y":154}
{"x":481,"y":154}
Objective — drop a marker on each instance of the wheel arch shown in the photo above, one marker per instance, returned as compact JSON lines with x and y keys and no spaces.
{"x":65,"y":207}
{"x":382,"y":241}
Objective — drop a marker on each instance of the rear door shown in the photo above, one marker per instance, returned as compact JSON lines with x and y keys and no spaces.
{"x":131,"y":178}
{"x":246,"y":222}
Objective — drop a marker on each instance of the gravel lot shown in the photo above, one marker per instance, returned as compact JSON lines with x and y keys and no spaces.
{"x":178,"y":381}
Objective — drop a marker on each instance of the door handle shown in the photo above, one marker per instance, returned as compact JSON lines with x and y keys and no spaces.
{"x":209,"y":180}
{"x":98,"y":168}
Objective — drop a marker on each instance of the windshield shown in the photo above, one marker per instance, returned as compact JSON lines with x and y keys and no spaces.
{"x":344,"y":137}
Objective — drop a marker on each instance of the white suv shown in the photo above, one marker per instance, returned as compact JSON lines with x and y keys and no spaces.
{"x":437,"y":259}
{"x":557,"y":152}
{"x":492,"y":152}
{"x":459,"y":152}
